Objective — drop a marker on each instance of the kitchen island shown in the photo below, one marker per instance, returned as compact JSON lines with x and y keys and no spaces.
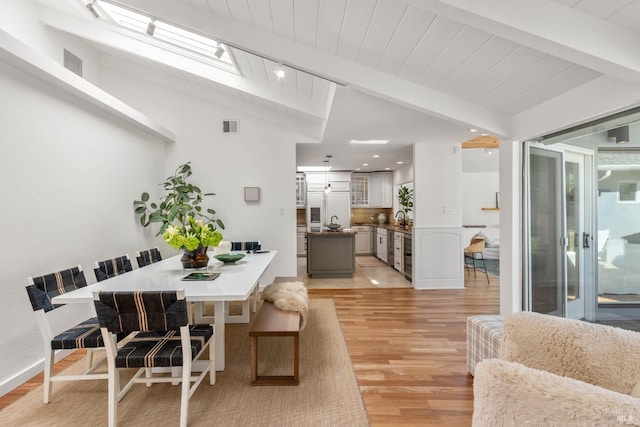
{"x":331,"y":254}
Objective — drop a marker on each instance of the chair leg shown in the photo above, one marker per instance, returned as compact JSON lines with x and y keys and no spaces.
{"x":113,"y":388}
{"x":48,"y":372}
{"x":184,"y":395}
{"x":212,"y":364}
{"x":484,"y":266}
{"x":473,"y":259}
{"x":89,"y":358}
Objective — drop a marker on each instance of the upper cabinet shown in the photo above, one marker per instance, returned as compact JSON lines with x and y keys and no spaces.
{"x":359,"y":190}
{"x":372,"y":190}
{"x":301,"y":191}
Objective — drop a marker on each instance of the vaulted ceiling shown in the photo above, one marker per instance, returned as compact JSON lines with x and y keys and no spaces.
{"x":404,"y":70}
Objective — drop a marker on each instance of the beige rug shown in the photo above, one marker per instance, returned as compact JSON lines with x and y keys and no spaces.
{"x":328,"y":393}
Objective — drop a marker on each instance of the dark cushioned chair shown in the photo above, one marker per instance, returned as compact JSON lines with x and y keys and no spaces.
{"x":147,"y":257}
{"x":86,"y":335}
{"x":163,"y":332}
{"x":112,"y":267}
{"x":244,"y":246}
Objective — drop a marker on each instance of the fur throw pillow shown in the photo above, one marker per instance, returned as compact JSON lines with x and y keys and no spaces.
{"x":288,"y":296}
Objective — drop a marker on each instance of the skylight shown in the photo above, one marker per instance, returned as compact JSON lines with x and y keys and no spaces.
{"x":203,"y":47}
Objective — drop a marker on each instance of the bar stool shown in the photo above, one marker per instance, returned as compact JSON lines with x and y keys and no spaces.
{"x":472,"y":253}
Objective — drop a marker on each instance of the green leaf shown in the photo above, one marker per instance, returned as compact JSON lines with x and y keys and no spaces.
{"x":211,"y":211}
{"x":209,"y":194}
{"x":141,"y":210}
{"x":220,"y":223}
{"x":154,"y":206}
{"x":145,"y":197}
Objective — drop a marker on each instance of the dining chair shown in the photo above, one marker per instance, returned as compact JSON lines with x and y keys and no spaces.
{"x":473,"y":253}
{"x":161,"y":322}
{"x":147,"y":257}
{"x":86,"y":335}
{"x":112,"y":267}
{"x":245,"y":246}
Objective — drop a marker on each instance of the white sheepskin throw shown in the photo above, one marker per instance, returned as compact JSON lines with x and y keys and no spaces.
{"x":511,"y":394}
{"x":288,"y":296}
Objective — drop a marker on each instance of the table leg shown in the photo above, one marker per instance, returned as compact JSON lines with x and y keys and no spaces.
{"x":218,"y":328}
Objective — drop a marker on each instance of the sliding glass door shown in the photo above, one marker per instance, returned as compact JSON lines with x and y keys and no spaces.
{"x":558,"y":238}
{"x":545,"y":242}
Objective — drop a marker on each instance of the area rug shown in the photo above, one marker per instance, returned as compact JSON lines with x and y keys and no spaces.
{"x":328,"y":393}
{"x":493,"y":266}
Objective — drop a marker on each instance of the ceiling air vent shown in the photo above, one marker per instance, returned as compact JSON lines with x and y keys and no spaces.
{"x":230,"y":127}
{"x":72,"y":62}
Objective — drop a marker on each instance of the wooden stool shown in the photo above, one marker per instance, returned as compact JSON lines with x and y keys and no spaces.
{"x":272,"y":322}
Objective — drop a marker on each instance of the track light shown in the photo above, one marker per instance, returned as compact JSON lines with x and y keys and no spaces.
{"x":219,"y":51}
{"x":279,"y":72}
{"x":92,"y":8}
{"x":151,"y":27}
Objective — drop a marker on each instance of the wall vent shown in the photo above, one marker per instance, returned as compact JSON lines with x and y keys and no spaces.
{"x":231,"y":127}
{"x":72,"y":62}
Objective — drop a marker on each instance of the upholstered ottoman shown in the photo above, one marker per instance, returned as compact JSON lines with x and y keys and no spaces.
{"x":484,"y":336}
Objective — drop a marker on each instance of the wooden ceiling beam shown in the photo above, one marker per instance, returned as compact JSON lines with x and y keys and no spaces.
{"x":482,"y":142}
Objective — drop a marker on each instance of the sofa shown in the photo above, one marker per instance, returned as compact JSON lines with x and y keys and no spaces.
{"x":491,"y":236}
{"x":553,"y":371}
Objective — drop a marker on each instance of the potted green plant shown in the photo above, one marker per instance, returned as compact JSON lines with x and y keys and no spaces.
{"x":183,"y":223}
{"x":405,"y":196}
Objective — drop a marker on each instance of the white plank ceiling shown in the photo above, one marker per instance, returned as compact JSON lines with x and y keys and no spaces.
{"x":435,"y":60}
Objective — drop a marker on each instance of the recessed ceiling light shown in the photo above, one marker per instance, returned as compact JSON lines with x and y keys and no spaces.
{"x":365,"y":164}
{"x":399,"y":163}
{"x":358,"y":169}
{"x":369,"y":141}
{"x":485,"y":134}
{"x":387,"y":169}
{"x":376,"y":155}
{"x":473,"y":130}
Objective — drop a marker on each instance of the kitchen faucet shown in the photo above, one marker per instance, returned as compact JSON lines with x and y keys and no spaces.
{"x":404,"y":217}
{"x":333,"y":216}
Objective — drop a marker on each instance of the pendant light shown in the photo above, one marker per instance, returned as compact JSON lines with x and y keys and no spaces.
{"x":327,"y":187}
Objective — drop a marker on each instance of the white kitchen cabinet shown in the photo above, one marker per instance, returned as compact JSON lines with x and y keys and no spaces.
{"x":398,"y":251}
{"x":381,"y":244}
{"x":386,"y":189}
{"x":359,"y":190}
{"x":363,"y":240}
{"x":301,"y":191}
{"x":375,"y":191}
{"x":381,"y":190}
{"x":301,"y":241}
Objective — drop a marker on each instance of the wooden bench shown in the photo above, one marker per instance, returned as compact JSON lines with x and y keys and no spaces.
{"x":272,"y":322}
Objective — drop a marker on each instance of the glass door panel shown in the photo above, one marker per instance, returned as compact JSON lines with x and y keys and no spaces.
{"x":618,"y":227}
{"x":546,"y":252}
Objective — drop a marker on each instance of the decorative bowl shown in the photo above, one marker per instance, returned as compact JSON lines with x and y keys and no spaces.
{"x":229,"y":258}
{"x":333,"y":226}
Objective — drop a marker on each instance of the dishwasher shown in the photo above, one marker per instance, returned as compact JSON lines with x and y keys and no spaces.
{"x":381,"y":244}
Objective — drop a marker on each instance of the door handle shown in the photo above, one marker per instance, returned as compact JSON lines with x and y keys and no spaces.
{"x":586,"y":240}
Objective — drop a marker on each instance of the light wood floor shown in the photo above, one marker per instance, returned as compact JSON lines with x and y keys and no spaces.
{"x":408,"y":350}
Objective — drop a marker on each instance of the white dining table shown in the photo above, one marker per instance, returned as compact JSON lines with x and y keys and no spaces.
{"x":235,"y":283}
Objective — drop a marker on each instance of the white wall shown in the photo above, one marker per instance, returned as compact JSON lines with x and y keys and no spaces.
{"x":262,"y":155}
{"x":438,"y":236}
{"x":479,"y":191}
{"x":70,"y":173}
